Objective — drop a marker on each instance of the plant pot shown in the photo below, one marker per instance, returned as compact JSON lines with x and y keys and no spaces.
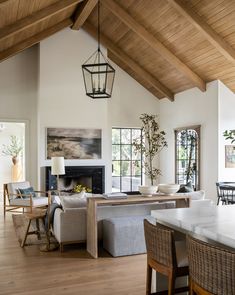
{"x":148,"y":190}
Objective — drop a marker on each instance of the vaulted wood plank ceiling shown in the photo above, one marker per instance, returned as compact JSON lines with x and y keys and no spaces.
{"x":166,"y":45}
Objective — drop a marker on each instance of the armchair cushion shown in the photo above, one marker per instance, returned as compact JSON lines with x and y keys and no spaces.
{"x":37,"y":202}
{"x":13,"y":187}
{"x":26,"y":192}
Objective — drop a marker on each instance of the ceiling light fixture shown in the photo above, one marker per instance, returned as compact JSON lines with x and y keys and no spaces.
{"x":98,"y":74}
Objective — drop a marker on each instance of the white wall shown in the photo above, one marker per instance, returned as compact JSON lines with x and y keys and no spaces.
{"x":18,"y":97}
{"x":63,"y":103}
{"x":226,"y":122}
{"x":193,"y":107}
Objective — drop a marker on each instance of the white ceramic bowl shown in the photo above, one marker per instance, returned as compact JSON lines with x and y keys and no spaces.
{"x":148,"y":190}
{"x":170,"y":188}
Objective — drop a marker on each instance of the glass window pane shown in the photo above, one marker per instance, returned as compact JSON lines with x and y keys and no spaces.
{"x":116,"y":152}
{"x":116,"y":135}
{"x":136,"y":134}
{"x":116,"y":184}
{"x":135,"y":155}
{"x":116,"y":168}
{"x":136,"y":168}
{"x":126,"y":168}
{"x":126,"y":184}
{"x":125,"y":152}
{"x":126,"y":136}
{"x":136,"y":182}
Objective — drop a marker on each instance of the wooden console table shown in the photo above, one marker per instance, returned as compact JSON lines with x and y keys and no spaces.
{"x":93,"y":203}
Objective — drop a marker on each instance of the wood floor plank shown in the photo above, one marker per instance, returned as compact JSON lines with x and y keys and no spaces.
{"x":31,"y":272}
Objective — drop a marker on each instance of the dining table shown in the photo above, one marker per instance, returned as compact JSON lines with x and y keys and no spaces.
{"x":213,"y":224}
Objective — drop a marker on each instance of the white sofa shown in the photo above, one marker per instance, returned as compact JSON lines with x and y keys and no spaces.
{"x":69,"y":224}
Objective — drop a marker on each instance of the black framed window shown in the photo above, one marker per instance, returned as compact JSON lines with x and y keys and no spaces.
{"x":126,"y":164}
{"x":187,"y":155}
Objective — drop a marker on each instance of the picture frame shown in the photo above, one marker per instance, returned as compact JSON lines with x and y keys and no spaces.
{"x":73,"y":143}
{"x":229,"y":156}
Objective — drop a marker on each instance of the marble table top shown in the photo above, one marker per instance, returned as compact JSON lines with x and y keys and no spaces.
{"x":216,"y":223}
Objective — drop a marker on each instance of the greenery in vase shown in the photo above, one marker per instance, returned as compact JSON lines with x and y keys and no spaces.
{"x":150,"y":144}
{"x":15,"y":147}
{"x":229,"y":135}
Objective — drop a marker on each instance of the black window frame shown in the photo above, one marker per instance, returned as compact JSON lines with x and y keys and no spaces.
{"x":131,"y":160}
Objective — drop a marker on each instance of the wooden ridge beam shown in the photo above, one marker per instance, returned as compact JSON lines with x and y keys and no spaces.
{"x":82,"y":13}
{"x":34,"y":39}
{"x":130,"y":62}
{"x":35,"y":18}
{"x":218,"y":42}
{"x":154,"y":43}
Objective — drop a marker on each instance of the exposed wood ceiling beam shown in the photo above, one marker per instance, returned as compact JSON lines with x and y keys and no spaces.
{"x":140,"y":80}
{"x":219,"y":43}
{"x":130,"y":62}
{"x":34,"y":39}
{"x":82,"y":13}
{"x":154,"y":43}
{"x":35,"y":18}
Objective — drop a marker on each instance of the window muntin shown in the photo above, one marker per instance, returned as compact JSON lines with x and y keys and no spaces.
{"x":126,"y":165}
{"x":187,"y":155}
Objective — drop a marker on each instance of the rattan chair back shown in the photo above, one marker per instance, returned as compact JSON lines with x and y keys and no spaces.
{"x":211,"y":268}
{"x":160,"y":244}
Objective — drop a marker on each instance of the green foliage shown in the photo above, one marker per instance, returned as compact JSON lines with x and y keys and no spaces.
{"x":229,"y":135}
{"x":150,"y":143}
{"x":15,"y":147}
{"x":79,"y":188}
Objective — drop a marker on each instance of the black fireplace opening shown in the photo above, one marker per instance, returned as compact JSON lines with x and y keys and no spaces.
{"x":91,"y":177}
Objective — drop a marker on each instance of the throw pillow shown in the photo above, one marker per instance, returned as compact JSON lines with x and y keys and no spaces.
{"x":26,"y":192}
{"x":75,"y":201}
{"x":186,"y":188}
{"x":197,"y":195}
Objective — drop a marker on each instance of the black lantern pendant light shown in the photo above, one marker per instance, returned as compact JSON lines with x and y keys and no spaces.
{"x":98,"y":74}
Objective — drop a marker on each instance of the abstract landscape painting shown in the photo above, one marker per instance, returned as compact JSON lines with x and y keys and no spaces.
{"x":74,"y":143}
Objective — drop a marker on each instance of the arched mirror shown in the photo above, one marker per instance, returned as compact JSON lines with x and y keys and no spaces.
{"x":187,"y":156}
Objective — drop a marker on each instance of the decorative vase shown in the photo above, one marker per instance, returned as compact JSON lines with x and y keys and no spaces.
{"x":15,"y":160}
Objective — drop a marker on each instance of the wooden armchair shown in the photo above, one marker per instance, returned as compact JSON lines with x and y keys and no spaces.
{"x":14,"y":200}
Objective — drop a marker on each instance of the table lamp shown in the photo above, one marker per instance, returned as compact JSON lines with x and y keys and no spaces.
{"x":57,"y":168}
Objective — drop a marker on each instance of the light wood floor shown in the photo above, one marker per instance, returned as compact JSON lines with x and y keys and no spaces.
{"x":29,"y":271}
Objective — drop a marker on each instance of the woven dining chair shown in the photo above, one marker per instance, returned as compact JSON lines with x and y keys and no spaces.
{"x":211,"y":269}
{"x":225,"y":193}
{"x":165,"y":256}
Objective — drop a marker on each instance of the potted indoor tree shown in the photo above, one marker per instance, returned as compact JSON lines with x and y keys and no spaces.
{"x":150,"y":144}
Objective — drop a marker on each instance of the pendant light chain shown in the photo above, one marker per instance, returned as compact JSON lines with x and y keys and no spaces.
{"x":98,"y":73}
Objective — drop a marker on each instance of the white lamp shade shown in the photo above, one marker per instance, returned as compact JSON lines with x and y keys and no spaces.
{"x":57,"y":166}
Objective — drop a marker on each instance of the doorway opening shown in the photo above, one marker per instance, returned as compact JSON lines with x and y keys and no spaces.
{"x":12,"y":152}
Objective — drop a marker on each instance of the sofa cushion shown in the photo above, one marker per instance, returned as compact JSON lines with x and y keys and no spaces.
{"x":74,"y":201}
{"x":197,"y":195}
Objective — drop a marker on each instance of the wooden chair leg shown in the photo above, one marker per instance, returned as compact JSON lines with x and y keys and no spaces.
{"x":171,"y":284}
{"x":26,"y":234}
{"x":38,"y":229}
{"x":61,"y":247}
{"x":148,"y":280}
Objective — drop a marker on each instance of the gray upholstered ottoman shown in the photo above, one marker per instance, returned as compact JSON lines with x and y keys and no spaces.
{"x":124,"y":235}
